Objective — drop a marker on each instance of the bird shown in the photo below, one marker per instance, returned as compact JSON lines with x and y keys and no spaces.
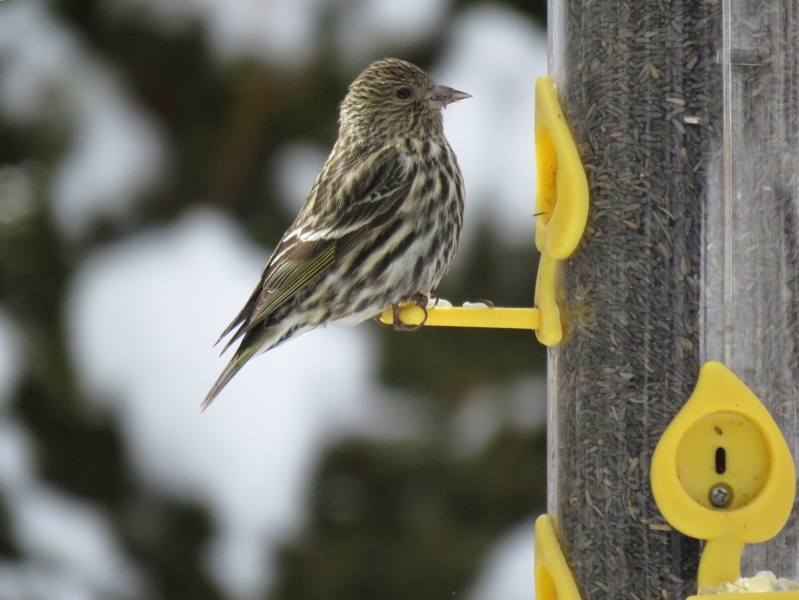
{"x":379,"y":227}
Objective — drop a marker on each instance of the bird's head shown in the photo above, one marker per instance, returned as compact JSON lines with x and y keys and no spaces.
{"x":393,"y":98}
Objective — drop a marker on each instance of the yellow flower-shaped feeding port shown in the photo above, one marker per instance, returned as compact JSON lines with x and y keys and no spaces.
{"x":553,"y":578}
{"x":722,"y":472}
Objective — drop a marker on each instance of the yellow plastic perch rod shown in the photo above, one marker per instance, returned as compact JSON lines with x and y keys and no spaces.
{"x":467,"y":316}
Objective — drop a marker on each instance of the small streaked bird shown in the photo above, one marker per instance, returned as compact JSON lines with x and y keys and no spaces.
{"x":379,"y":227}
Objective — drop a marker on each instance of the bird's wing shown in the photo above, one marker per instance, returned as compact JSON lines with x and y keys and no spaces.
{"x":293,"y":265}
{"x":324,"y":230}
{"x":372,"y":189}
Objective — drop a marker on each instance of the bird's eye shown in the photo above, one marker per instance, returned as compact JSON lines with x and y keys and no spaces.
{"x":403,"y":93}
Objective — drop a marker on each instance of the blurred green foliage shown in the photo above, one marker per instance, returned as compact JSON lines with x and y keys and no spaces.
{"x":388,"y":519}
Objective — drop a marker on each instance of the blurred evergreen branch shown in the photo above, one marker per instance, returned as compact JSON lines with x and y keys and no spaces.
{"x":401,"y":520}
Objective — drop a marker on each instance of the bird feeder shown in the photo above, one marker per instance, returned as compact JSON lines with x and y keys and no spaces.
{"x":674,"y":395}
{"x":670,"y":303}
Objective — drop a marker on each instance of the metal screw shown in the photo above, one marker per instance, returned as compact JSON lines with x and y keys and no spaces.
{"x":720,"y":495}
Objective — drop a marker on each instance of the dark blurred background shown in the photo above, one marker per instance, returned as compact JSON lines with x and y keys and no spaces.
{"x":151,"y":153}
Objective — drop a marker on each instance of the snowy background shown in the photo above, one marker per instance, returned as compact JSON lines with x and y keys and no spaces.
{"x":153,"y":150}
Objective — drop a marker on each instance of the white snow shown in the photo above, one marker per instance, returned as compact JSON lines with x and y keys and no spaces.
{"x":144,"y":316}
{"x":73,"y":541}
{"x":296,"y":166}
{"x":33,"y":580}
{"x":508,"y":569}
{"x":117,"y":152}
{"x":495,"y":55}
{"x":486,"y":410}
{"x":287,"y":34}
{"x":69,"y":547}
{"x":281,"y":32}
{"x":378,"y":28}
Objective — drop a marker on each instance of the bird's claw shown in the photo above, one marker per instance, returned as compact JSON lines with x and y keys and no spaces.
{"x":421,"y":300}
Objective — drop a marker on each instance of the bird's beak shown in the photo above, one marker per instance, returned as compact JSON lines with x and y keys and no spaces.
{"x":442,"y":95}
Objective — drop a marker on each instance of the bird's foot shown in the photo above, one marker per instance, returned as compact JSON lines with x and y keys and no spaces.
{"x":396,"y":323}
{"x":400,"y":326}
{"x":420,"y":300}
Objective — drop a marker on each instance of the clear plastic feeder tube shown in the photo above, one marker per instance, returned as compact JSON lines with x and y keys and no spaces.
{"x":686,"y":117}
{"x":750,"y":263}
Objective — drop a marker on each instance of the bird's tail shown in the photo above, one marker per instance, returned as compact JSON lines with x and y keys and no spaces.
{"x":253,"y":343}
{"x":257,"y":341}
{"x":233,"y":367}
